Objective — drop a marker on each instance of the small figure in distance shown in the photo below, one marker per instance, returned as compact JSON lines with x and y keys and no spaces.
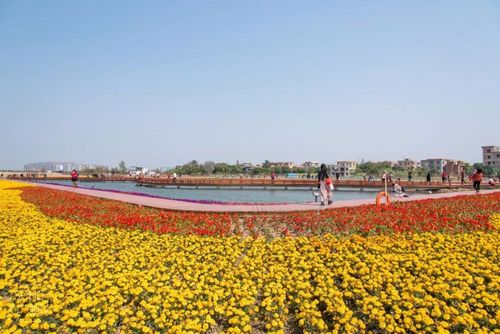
{"x":491,"y":181}
{"x":477,"y":177}
{"x":325,"y":185}
{"x":410,"y":176}
{"x":398,"y":190}
{"x":428,"y":177}
{"x":74,"y":177}
{"x":443,"y":176}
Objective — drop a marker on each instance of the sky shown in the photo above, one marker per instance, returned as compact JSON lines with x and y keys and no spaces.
{"x":161,"y":83}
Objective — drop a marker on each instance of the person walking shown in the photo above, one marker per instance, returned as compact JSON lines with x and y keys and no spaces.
{"x":428,"y":177}
{"x":74,"y":177}
{"x":410,"y":176}
{"x":477,"y":177}
{"x":325,"y":185}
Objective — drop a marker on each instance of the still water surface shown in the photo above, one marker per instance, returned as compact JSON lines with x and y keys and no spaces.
{"x":226,"y":194}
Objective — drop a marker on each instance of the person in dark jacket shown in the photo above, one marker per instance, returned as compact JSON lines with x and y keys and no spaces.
{"x":325,"y":185}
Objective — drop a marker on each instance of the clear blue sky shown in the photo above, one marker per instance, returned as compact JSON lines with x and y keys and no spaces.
{"x":162,"y":83}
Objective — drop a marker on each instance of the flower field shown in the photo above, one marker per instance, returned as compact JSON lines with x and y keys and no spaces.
{"x":428,"y":266}
{"x":459,"y":214}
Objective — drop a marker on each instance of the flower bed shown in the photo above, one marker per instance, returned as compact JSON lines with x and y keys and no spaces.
{"x":63,"y":276}
{"x":458,"y":214}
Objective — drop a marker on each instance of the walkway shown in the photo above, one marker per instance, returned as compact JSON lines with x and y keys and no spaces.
{"x":196,"y":182}
{"x":169,"y":204}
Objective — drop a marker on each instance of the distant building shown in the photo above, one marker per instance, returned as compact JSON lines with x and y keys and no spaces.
{"x":436,"y":164}
{"x":55,"y":166}
{"x":311,"y":164}
{"x":346,"y":167}
{"x":138,"y":169}
{"x":454,"y":167}
{"x":407,"y":164}
{"x":491,"y":156}
{"x":246,"y":167}
{"x":282,"y":164}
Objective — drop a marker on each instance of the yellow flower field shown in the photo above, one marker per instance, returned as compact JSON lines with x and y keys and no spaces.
{"x":57,"y":276}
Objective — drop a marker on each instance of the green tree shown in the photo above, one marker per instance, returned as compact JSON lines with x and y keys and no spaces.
{"x":122,"y":168}
{"x":209,"y":166}
{"x":420,"y":171}
{"x":258,"y":171}
{"x":221,"y":168}
{"x":487,"y":170}
{"x":468,"y":169}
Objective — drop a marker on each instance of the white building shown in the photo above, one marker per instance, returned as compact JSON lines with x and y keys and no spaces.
{"x":311,"y":164}
{"x":346,"y":167}
{"x":288,"y":164}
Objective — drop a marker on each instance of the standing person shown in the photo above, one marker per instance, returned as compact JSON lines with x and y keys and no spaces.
{"x":410,"y":176}
{"x":443,"y":176}
{"x":462,"y":176}
{"x":428,"y":177}
{"x":325,"y":185}
{"x":273,"y":176}
{"x":477,"y":177}
{"x":74,"y":177}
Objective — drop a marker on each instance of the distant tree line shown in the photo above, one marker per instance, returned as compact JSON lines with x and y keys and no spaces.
{"x":221,"y":168}
{"x":487,"y":170}
{"x":377,"y":168}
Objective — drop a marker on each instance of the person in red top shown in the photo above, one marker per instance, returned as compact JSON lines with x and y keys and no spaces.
{"x":74,"y":177}
{"x":477,"y":177}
